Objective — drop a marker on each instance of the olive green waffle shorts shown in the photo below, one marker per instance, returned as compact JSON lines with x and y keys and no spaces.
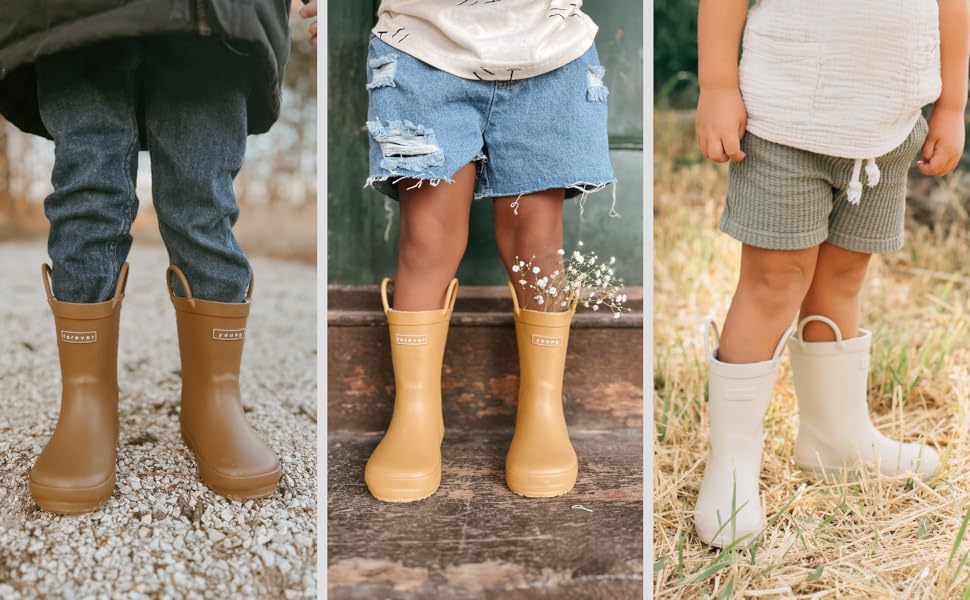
{"x":783,"y":198}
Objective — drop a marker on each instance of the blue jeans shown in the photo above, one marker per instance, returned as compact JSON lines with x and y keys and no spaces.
{"x":186,"y":98}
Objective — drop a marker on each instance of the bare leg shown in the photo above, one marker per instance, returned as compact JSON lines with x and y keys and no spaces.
{"x":433,"y":237}
{"x":835,"y":292}
{"x":770,"y":289}
{"x":536,"y":231}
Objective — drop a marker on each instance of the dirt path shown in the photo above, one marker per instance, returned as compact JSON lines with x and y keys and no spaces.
{"x":163,"y":534}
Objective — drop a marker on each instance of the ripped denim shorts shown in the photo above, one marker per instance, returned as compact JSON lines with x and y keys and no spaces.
{"x":527,"y":135}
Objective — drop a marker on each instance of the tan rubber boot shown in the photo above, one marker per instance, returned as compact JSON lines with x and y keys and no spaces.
{"x":835,"y":434}
{"x":233,"y":460}
{"x":541,"y":462}
{"x":729,"y":501}
{"x":75,"y":473}
{"x":406,"y":465}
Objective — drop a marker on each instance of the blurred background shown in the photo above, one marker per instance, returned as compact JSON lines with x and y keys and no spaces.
{"x":357,"y":217}
{"x":276,"y":188}
{"x":917,"y":304}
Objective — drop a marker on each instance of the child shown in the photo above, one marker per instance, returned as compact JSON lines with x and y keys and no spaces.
{"x":188,"y":85}
{"x":825,"y":91}
{"x":503,"y":100}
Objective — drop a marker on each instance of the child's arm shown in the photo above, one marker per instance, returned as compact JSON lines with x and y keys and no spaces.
{"x":945,"y":140}
{"x":721,"y":117}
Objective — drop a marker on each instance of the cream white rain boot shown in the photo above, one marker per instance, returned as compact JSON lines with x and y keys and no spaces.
{"x":729,"y":502}
{"x":834,"y":431}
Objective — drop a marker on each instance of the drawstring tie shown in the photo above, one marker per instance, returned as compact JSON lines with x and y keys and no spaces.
{"x":855,"y":183}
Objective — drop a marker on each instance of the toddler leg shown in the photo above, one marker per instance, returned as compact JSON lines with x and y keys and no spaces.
{"x":536,"y":231}
{"x":432,"y":240}
{"x":87,"y":99}
{"x":834,"y":292}
{"x":770,"y":289}
{"x":195,"y":119}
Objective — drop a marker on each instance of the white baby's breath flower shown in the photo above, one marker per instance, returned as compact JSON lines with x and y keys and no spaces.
{"x":612,"y":260}
{"x":580,"y":243}
{"x":536,"y":270}
{"x":540,"y":299}
{"x":541,"y":283}
{"x":616,"y":315}
{"x":560,"y":252}
{"x":523,"y":282}
{"x":515,"y":268}
{"x":552,"y":290}
{"x":596,"y":306}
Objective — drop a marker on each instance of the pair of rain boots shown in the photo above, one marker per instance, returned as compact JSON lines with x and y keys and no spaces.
{"x":835,"y":434}
{"x":541,"y":462}
{"x":75,"y":473}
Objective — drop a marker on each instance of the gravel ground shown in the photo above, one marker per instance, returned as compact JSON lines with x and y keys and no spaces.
{"x":162,"y":534}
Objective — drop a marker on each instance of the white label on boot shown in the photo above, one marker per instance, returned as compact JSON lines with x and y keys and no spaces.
{"x":228,"y":335}
{"x":79,"y":337}
{"x":549,"y":341}
{"x":739,"y":394}
{"x":410,"y":339}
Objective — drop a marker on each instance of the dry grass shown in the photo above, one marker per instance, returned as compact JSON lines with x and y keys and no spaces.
{"x":873,"y":538}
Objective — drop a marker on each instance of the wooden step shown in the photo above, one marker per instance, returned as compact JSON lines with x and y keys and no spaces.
{"x":603,"y":386}
{"x":476,"y":539}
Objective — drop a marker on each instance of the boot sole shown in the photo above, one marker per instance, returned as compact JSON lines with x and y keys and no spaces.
{"x":722,"y":539}
{"x":71,"y":501}
{"x":266,"y":487}
{"x":541,"y":486}
{"x":827,"y":474}
{"x":401,"y":491}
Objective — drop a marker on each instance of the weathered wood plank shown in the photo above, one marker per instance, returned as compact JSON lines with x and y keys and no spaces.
{"x":471,"y":298}
{"x":603,"y":386}
{"x":476,"y":539}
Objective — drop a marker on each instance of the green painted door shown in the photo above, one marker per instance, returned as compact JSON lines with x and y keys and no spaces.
{"x":357,"y":218}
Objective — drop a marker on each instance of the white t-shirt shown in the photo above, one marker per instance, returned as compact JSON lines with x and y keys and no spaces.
{"x":492,"y":40}
{"x":836,"y":77}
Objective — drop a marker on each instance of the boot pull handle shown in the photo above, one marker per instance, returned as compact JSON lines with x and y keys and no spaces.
{"x":821,"y":319}
{"x":710,"y":327}
{"x":122,"y":284}
{"x":384,"y":284}
{"x":784,"y":340}
{"x":173,"y":270}
{"x":451,"y":294}
{"x":46,"y":273}
{"x":515,"y":300}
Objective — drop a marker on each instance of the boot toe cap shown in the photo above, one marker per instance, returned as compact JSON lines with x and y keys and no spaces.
{"x":710,"y":530}
{"x":75,"y":492}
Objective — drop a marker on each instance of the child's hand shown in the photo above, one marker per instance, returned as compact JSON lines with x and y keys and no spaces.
{"x":944,"y":142}
{"x":719,"y":123}
{"x":309,"y":11}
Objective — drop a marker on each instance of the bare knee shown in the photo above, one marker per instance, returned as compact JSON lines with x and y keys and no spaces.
{"x":776,"y":287}
{"x":432,"y":243}
{"x":843,"y":277}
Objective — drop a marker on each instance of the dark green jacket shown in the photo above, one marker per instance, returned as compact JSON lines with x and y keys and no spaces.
{"x":30,"y":29}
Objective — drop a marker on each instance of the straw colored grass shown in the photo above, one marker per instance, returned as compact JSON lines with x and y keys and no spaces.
{"x":869,"y":538}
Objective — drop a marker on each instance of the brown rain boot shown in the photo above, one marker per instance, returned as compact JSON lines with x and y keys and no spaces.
{"x":541,"y":461}
{"x":75,"y":473}
{"x":406,"y":465}
{"x":233,"y":460}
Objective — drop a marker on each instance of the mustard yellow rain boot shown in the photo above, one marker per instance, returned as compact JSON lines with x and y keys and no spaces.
{"x":75,"y":473}
{"x":406,"y":465}
{"x":541,"y":462}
